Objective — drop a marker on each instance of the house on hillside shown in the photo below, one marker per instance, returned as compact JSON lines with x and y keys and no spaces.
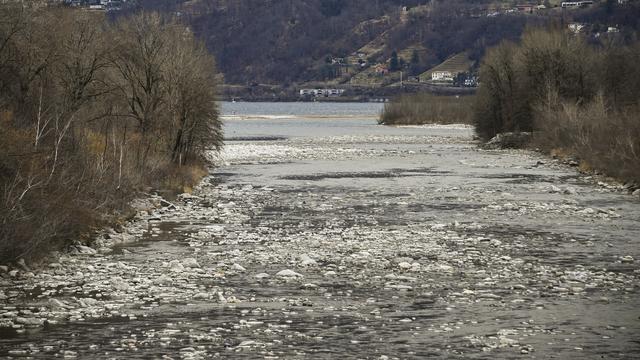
{"x":527,"y":8}
{"x":381,"y":69}
{"x":442,"y":76}
{"x":321,"y":92}
{"x":576,"y":4}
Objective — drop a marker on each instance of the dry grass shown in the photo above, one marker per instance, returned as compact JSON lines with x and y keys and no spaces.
{"x":605,"y":141}
{"x":419,"y":109}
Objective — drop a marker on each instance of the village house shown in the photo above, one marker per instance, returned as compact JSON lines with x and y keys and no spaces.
{"x":575,"y":4}
{"x":381,"y":69}
{"x":321,"y":92}
{"x":526,"y":8}
{"x":442,"y":76}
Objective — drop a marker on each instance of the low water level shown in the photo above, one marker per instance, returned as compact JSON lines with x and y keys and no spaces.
{"x":321,"y":234}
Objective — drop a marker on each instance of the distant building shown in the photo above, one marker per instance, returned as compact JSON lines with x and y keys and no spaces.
{"x":381,"y":69}
{"x":321,"y":92}
{"x":574,"y":4}
{"x":525,"y":8}
{"x":442,"y":76}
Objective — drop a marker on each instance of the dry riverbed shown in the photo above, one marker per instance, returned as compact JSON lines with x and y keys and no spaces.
{"x":355,"y":242}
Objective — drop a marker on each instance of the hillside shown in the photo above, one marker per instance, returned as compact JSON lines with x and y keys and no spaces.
{"x":338,"y":42}
{"x":458,"y":63}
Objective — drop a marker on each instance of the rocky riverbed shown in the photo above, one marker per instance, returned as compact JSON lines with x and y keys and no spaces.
{"x":329,"y":239}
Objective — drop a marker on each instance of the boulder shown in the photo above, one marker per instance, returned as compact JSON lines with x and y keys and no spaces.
{"x":509,"y":140}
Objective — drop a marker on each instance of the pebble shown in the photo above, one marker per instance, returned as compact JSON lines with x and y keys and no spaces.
{"x":288,"y":273}
{"x":238,"y":268}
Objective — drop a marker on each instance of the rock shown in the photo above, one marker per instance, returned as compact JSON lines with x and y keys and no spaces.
{"x":118,"y":284}
{"x":288,"y":274}
{"x":190,"y":263}
{"x":163,"y":280}
{"x":4,"y":269}
{"x":306,"y":260}
{"x":262,"y":276}
{"x":570,"y":191}
{"x":238,"y":268}
{"x":404,"y":265}
{"x":330,"y":273}
{"x":636,"y":193}
{"x":85,"y":250}
{"x":201,"y":296}
{"x":509,"y":140}
{"x":29,"y":321}
{"x":176,"y":266}
{"x":627,"y":259}
{"x":85,"y":302}
{"x":554,"y":189}
{"x":58,"y":304}
{"x":23,"y":265}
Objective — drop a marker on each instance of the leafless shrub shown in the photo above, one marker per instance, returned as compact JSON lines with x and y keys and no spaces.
{"x":89,"y":113}
{"x":420,"y":109}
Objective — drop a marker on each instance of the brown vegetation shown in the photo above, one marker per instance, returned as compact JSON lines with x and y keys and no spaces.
{"x":418,"y":109}
{"x":576,"y":97}
{"x":89,"y":113}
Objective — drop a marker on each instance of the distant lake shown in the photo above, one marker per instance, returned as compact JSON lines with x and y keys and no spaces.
{"x":297,"y":110}
{"x":282,"y":120}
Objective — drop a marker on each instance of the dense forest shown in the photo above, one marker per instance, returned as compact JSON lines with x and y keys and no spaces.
{"x":91,"y":113}
{"x":283,"y":42}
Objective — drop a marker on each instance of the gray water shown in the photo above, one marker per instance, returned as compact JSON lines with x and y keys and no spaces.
{"x":401,"y":242}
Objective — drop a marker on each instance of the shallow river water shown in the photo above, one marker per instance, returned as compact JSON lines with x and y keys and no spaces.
{"x":322,"y":235}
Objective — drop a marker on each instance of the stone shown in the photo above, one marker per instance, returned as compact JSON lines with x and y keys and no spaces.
{"x":23,"y":265}
{"x":306,"y":260}
{"x":29,"y":321}
{"x":238,"y":268}
{"x":627,"y":259}
{"x":118,"y":283}
{"x":288,"y":273}
{"x":85,"y":250}
{"x":509,"y":140}
{"x":262,"y":276}
{"x":176,"y":266}
{"x":163,"y":280}
{"x":554,"y":189}
{"x":58,"y":304}
{"x":190,"y":263}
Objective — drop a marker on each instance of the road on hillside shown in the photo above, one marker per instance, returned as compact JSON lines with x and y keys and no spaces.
{"x":327,"y":238}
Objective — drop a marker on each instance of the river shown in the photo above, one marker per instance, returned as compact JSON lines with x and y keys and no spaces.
{"x":320,"y":234}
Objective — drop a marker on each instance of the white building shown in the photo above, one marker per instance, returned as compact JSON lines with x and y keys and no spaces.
{"x":442,"y":76}
{"x":573,"y":4}
{"x":321,"y":92}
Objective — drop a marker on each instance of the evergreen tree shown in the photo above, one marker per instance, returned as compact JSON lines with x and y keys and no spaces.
{"x":394,"y":64}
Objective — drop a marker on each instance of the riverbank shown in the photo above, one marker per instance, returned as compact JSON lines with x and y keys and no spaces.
{"x":345,"y":227}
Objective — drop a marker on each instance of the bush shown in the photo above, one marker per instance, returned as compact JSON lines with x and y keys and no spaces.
{"x":418,"y":109}
{"x":577,"y":99}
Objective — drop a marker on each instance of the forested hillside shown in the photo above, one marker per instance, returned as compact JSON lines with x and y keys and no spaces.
{"x":300,"y":41}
